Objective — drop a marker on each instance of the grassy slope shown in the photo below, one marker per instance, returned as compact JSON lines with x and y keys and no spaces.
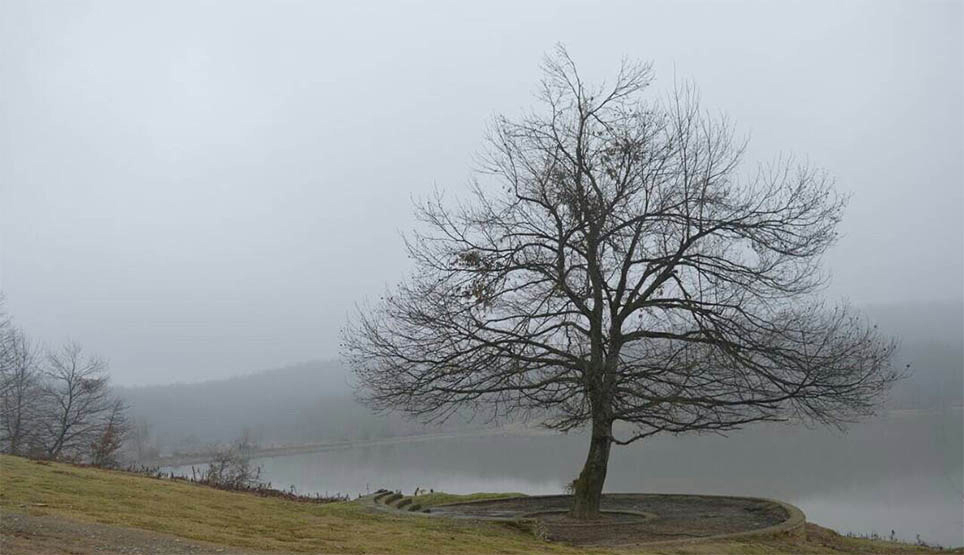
{"x":248,"y":521}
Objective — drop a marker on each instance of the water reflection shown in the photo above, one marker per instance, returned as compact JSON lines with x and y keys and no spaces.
{"x":902,"y":472}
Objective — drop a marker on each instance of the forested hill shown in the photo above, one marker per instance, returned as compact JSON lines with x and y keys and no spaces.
{"x":313,"y":401}
{"x":307,"y":402}
{"x":931,"y":337}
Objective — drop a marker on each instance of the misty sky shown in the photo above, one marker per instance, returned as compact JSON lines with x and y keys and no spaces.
{"x":202,"y":189}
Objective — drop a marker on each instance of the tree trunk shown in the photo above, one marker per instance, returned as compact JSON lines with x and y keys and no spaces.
{"x":589,"y":485}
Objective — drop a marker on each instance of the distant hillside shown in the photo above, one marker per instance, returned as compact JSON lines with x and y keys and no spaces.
{"x":313,"y":401}
{"x":306,"y":402}
{"x":931,"y":339}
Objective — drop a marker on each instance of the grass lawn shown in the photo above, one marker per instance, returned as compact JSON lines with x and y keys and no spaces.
{"x":264,"y":524}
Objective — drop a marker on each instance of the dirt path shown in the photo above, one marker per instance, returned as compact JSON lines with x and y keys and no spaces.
{"x":22,"y":533}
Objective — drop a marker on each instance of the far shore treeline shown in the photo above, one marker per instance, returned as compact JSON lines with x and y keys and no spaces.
{"x":313,"y":401}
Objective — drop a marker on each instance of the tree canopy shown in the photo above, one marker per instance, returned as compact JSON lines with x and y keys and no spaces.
{"x":615,"y":263}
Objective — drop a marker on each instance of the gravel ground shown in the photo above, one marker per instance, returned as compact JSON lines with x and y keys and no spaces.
{"x":23,"y":533}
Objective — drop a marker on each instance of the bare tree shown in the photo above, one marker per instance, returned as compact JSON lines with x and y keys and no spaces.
{"x":77,"y":399}
{"x":107,"y":444}
{"x":6,"y":341}
{"x":19,"y":392}
{"x":614,"y":265}
{"x":247,"y":441}
{"x":5,"y":327}
{"x":141,"y":440}
{"x":60,"y":407}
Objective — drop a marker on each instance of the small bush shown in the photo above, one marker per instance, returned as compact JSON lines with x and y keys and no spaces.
{"x":231,"y":469}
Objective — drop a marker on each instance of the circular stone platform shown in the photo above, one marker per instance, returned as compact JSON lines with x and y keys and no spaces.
{"x":633,"y":518}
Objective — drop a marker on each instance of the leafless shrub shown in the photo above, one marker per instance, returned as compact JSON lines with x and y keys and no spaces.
{"x":230,"y":468}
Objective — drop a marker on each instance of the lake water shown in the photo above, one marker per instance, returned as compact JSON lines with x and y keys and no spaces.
{"x":900,"y":472}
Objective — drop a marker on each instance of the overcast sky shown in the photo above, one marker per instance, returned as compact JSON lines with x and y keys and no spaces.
{"x":202,"y":189}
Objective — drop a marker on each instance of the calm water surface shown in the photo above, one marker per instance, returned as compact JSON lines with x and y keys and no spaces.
{"x":900,"y":472}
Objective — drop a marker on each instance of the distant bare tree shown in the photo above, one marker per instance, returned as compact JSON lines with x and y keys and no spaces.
{"x":614,"y":265}
{"x":19,"y":392}
{"x":6,"y":344}
{"x":77,"y":401}
{"x":247,"y":441}
{"x":5,"y":327}
{"x":105,"y":448}
{"x":57,"y":406}
{"x":142,"y":444}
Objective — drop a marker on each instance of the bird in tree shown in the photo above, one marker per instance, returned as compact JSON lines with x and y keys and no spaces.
{"x":614,"y":268}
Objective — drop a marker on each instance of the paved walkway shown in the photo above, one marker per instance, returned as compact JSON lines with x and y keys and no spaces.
{"x":628,"y":519}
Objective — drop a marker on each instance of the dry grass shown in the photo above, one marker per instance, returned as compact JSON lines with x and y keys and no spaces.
{"x":238,"y":519}
{"x":265,"y":524}
{"x":440,"y":498}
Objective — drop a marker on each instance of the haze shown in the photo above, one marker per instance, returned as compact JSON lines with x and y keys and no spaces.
{"x":202,"y":189}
